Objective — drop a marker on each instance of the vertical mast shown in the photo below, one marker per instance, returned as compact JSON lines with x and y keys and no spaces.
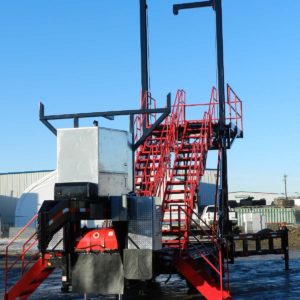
{"x":144,"y":53}
{"x":223,"y":197}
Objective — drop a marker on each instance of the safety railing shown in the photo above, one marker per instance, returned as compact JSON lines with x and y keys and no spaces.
{"x":210,"y":255}
{"x":196,"y":166}
{"x":148,"y":172}
{"x":167,"y":141}
{"x":198,"y":153}
{"x":147,"y":119}
{"x":156,"y":167}
{"x":197,"y":160}
{"x":24,"y":259}
{"x":213,"y":109}
{"x":192,"y":112}
{"x":235,"y":109}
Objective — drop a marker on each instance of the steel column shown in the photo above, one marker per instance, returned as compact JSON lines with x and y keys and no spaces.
{"x":144,"y":45}
{"x":223,"y":197}
{"x":144,"y":55}
{"x":223,"y":200}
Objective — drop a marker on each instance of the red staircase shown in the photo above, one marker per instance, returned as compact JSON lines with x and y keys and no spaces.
{"x":170,"y":164}
{"x":30,"y":281}
{"x":34,"y":269}
{"x":188,"y":167}
{"x":200,"y":279}
{"x":201,"y":262}
{"x":153,"y":157}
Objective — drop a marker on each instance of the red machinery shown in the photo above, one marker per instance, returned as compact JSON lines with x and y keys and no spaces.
{"x":169,"y":164}
{"x":97,"y":240}
{"x":170,"y":159}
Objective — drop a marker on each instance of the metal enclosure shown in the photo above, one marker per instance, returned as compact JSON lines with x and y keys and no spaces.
{"x":77,"y":155}
{"x":98,"y":155}
{"x":144,"y":225}
{"x":100,"y":273}
{"x":115,"y":162}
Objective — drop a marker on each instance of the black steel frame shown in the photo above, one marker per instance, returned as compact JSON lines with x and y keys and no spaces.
{"x":224,"y":223}
{"x":145,"y":110}
{"x":110,"y":115}
{"x":270,"y":248}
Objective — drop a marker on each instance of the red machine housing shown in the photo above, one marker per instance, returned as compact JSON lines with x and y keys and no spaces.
{"x":98,"y":240}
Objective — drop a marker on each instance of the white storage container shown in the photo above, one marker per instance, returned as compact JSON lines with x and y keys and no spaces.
{"x":253,"y":222}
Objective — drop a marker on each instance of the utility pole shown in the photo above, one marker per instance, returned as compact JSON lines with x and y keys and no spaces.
{"x":285,"y":188}
{"x":223,"y":198}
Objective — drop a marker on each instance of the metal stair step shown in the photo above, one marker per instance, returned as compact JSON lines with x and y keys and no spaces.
{"x":175,"y":201}
{"x":174,"y":241}
{"x":182,"y":167}
{"x":172,"y":231}
{"x":182,"y":182}
{"x":142,"y":160}
{"x":175,"y":191}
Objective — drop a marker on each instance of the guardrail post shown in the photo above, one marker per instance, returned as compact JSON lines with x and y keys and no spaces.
{"x":285,"y":246}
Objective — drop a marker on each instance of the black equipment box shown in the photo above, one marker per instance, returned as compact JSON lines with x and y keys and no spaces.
{"x":81,"y":191}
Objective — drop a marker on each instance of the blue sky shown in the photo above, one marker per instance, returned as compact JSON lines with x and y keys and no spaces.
{"x":81,"y":56}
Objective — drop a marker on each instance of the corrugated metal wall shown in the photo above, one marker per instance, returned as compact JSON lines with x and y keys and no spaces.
{"x":273,"y":214}
{"x":12,"y":186}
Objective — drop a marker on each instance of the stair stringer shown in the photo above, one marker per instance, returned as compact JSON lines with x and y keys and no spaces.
{"x":30,"y":280}
{"x":200,"y":279}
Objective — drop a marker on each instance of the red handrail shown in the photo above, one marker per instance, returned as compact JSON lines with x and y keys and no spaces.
{"x":157,"y":163}
{"x":156,"y":166}
{"x":177,"y":117}
{"x":235,"y":113}
{"x":140,"y":119}
{"x":218,"y":247}
{"x":21,"y":257}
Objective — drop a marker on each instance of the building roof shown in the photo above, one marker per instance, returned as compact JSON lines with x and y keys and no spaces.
{"x":24,"y":172}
